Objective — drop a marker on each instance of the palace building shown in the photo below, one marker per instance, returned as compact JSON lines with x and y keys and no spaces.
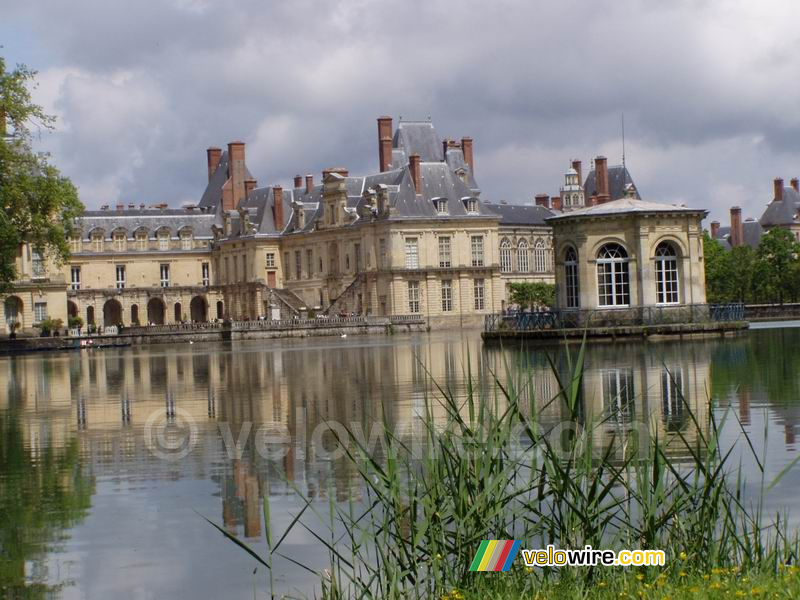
{"x":416,"y":237}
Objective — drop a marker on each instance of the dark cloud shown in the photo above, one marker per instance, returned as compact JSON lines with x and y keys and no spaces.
{"x":708,"y":90}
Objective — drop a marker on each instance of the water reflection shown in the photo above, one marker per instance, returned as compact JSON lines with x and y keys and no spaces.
{"x":71,"y":417}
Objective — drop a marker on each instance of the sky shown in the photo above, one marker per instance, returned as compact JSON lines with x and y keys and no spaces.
{"x":709,"y":90}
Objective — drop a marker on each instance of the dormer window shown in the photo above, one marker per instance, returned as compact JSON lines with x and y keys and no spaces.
{"x":186,"y":239}
{"x":97,"y":241}
{"x":163,"y":239}
{"x":119,"y":241}
{"x":471,"y":204}
{"x":462,"y":174}
{"x":440,"y":204}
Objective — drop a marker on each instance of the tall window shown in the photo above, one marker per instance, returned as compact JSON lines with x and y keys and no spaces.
{"x":39,"y":311}
{"x":75,"y":243}
{"x":286,"y":269}
{"x":164,"y":276}
{"x":672,"y":403}
{"x":120,"y":277}
{"x":120,"y":237}
{"x":540,"y":257}
{"x":666,"y":274}
{"x":447,"y":295}
{"x":413,"y":296}
{"x":618,"y":394}
{"x":476,"y":246}
{"x":523,"y":257}
{"x":571,"y":278}
{"x":270,"y":260}
{"x":412,"y":253}
{"x":163,"y":239}
{"x":37,"y":264}
{"x":186,"y":239}
{"x":357,"y":257}
{"x":382,"y":253}
{"x":141,"y":240}
{"x":445,"y":253}
{"x":75,"y":278}
{"x":478,"y":290}
{"x":205,"y":273}
{"x":613,"y":281}
{"x":505,"y":256}
{"x":97,"y":241}
{"x":298,"y":263}
{"x":310,"y":263}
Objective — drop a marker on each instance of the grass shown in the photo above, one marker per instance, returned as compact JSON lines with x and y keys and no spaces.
{"x":494,"y":472}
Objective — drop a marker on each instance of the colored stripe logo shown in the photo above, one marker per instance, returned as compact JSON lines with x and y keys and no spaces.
{"x":495,"y":555}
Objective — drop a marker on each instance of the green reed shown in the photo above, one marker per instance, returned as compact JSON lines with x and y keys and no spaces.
{"x":490,"y":470}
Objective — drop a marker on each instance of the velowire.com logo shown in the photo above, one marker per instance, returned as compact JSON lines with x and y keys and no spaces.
{"x":495,"y":555}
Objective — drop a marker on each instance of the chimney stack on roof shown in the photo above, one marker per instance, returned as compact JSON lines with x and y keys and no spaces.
{"x":737,"y":229}
{"x":120,"y":207}
{"x":249,"y":185}
{"x":778,"y":185}
{"x":795,"y":184}
{"x":385,"y":143}
{"x":714,"y":229}
{"x":213,"y":155}
{"x":309,"y":183}
{"x":542,"y":200}
{"x":298,"y":181}
{"x":233,"y":191}
{"x":277,"y":206}
{"x":601,"y":179}
{"x":338,"y":170}
{"x":576,"y":164}
{"x":466,"y":148}
{"x":555,"y":202}
{"x":416,"y":175}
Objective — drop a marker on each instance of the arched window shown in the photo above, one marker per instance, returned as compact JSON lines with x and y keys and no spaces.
{"x":505,"y":256}
{"x":186,"y":238}
{"x":540,"y":258}
{"x":163,"y":238}
{"x":613,"y":280}
{"x":141,"y":239}
{"x":666,"y":274}
{"x":523,"y":257}
{"x":571,"y":278}
{"x":120,"y":238}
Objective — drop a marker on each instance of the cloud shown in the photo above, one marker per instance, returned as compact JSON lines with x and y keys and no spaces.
{"x":708,"y":90}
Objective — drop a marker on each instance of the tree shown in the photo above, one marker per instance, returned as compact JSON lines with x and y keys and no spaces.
{"x":37,"y":204}
{"x":533,"y":295}
{"x":776,"y":264}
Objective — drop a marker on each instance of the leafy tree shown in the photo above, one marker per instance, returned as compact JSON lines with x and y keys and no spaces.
{"x":37,"y":204}
{"x":776,"y":264}
{"x":532,"y":295}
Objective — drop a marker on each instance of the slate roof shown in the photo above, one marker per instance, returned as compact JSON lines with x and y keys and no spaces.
{"x":751,"y":229}
{"x":151,"y":219}
{"x":618,"y":178}
{"x":624,"y":206}
{"x":212,"y":195}
{"x":521,"y":214}
{"x":782,"y":212}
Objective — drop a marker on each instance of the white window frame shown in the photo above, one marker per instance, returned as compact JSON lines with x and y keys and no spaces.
{"x":571,"y":278}
{"x":447,"y":295}
{"x":119,"y":271}
{"x":476,"y":249}
{"x":270,"y":260}
{"x":413,"y":297}
{"x":541,"y":264}
{"x":505,"y":257}
{"x":445,"y":252}
{"x":479,"y":293}
{"x":412,"y":252}
{"x":205,"y":273}
{"x":163,"y":270}
{"x":613,"y":277}
{"x":39,"y":311}
{"x":523,"y":257}
{"x":667,"y":279}
{"x":75,"y":277}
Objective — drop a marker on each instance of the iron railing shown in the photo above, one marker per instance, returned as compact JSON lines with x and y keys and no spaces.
{"x":616,"y":317}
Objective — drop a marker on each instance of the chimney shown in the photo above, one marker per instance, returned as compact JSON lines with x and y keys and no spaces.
{"x":213,"y":155}
{"x":120,"y":207}
{"x":277,"y":206}
{"x":445,"y":146}
{"x":714,"y":229}
{"x":737,"y":231}
{"x":416,"y":176}
{"x":385,"y":143}
{"x":555,"y":202}
{"x":542,"y":200}
{"x":236,"y":175}
{"x":466,"y":148}
{"x":298,"y":181}
{"x":309,"y":183}
{"x":338,"y":170}
{"x":601,"y":179}
{"x":249,"y":185}
{"x":778,"y":185}
{"x":795,"y":184}
{"x":576,"y":164}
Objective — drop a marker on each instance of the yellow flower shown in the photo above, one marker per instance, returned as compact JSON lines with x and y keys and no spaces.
{"x":640,"y":577}
{"x":601,"y":584}
{"x":683,"y":573}
{"x":740,"y":593}
{"x":683,"y":555}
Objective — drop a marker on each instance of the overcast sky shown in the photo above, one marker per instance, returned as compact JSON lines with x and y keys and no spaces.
{"x":709,"y":89}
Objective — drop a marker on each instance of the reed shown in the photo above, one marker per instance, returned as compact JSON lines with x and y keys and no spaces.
{"x":492,"y":471}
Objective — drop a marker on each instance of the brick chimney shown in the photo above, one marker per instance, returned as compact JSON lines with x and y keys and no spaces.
{"x":576,"y":164}
{"x":233,"y":190}
{"x":542,"y":200}
{"x":277,"y":206}
{"x":309,"y":183}
{"x":385,"y":143}
{"x":777,"y":184}
{"x":555,"y":202}
{"x":601,"y":179}
{"x":737,"y":230}
{"x":249,"y":185}
{"x":213,"y":155}
{"x":795,"y":183}
{"x":298,"y":182}
{"x":466,"y":148}
{"x":416,"y":175}
{"x":714,"y":229}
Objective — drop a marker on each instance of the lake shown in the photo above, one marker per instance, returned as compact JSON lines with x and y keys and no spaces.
{"x":110,"y":459}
